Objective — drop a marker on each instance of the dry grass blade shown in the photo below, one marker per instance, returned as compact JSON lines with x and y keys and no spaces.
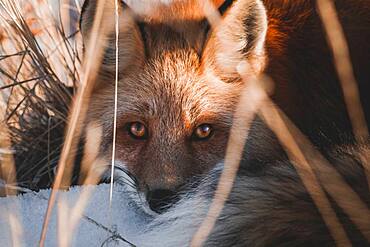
{"x":79,"y":109}
{"x":77,"y":4}
{"x":7,"y":171}
{"x":15,"y":226}
{"x":94,"y":136}
{"x":70,"y":216}
{"x":93,"y":140}
{"x":211,"y":12}
{"x":8,"y":175}
{"x":250,"y":101}
{"x":116,"y":16}
{"x":339,"y":46}
{"x":306,"y":173}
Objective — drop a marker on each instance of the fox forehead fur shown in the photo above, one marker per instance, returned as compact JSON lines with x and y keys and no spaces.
{"x":174,"y":76}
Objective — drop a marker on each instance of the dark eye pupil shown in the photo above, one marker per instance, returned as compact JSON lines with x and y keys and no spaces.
{"x":203,"y":131}
{"x":138,"y":130}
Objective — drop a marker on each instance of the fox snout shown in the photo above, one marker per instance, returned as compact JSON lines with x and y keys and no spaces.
{"x":162,"y":175}
{"x":162,"y":186}
{"x":162,"y":198}
{"x":163,"y":181}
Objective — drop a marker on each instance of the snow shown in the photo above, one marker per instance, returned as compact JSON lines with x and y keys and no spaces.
{"x":30,"y":210}
{"x":98,"y":225}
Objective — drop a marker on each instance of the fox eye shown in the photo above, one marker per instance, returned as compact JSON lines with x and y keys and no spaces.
{"x":137,"y":130}
{"x":203,"y":132}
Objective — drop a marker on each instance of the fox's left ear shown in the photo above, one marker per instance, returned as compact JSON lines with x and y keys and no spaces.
{"x":131,"y":47}
{"x":239,"y":36}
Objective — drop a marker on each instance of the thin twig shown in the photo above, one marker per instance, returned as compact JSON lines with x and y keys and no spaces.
{"x":78,"y":110}
{"x":115,"y":101}
{"x":339,"y":46}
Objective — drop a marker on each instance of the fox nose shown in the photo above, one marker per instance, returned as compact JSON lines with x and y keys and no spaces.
{"x":160,"y":200}
{"x":162,"y":192}
{"x":162,"y":181}
{"x":161,"y":186}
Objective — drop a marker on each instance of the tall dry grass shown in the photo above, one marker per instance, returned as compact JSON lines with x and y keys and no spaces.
{"x":39,"y":61}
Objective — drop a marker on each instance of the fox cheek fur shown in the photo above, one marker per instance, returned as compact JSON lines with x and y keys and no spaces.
{"x":176,"y":73}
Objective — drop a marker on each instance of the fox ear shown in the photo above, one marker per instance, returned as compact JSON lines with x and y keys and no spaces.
{"x":239,"y":36}
{"x":131,"y":47}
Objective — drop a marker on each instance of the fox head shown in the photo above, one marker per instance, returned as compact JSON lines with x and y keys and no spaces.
{"x":178,"y":84}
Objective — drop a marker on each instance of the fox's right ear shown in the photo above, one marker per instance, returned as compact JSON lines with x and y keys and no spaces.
{"x":238,"y":36}
{"x":131,"y":47}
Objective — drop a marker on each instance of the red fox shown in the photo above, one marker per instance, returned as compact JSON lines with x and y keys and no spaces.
{"x":178,"y":85}
{"x":178,"y":91}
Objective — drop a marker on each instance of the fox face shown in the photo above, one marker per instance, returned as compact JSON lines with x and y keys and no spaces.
{"x":172,"y":123}
{"x":178,"y":85}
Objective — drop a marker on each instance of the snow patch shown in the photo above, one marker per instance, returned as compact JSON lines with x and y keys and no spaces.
{"x":98,"y":225}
